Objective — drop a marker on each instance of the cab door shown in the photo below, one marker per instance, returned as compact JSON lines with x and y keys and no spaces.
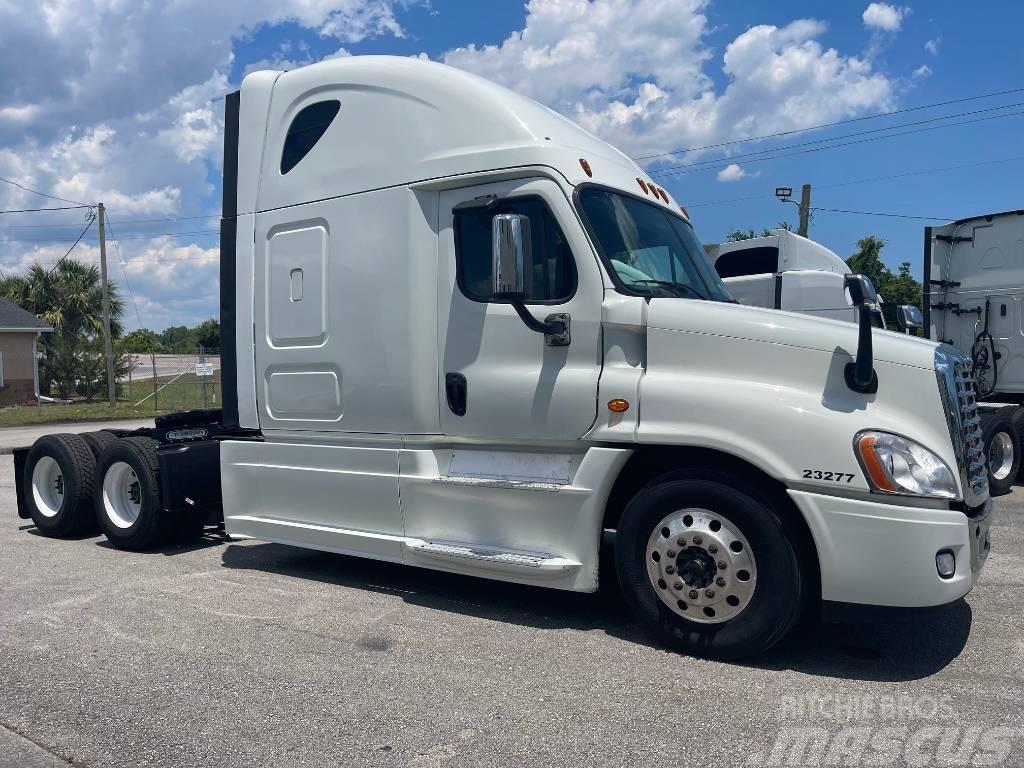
{"x":499,"y":379}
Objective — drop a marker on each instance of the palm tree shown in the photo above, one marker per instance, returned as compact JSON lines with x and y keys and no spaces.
{"x":69,"y":297}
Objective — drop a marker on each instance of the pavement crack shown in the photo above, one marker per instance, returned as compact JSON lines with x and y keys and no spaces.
{"x":42,"y":745}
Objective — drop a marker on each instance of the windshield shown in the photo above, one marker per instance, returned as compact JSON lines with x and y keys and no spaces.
{"x":652,"y":251}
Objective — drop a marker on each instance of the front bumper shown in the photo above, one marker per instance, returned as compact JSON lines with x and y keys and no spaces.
{"x":884,"y":554}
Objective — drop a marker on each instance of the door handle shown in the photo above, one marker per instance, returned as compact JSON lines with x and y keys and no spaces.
{"x":455,"y":389}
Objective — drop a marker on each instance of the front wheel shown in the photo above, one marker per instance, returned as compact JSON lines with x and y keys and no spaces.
{"x":711,"y":569}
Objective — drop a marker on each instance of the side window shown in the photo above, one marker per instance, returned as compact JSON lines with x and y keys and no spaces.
{"x":305,"y":131}
{"x":748,"y":261}
{"x":550,"y":278}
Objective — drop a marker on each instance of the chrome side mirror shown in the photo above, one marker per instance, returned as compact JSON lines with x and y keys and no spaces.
{"x":510,"y":255}
{"x":908,"y":317}
{"x":511,"y":260}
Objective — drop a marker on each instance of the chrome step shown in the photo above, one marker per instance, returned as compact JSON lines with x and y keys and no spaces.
{"x":494,"y":558}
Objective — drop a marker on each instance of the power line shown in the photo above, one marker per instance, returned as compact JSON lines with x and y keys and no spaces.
{"x":87,"y":225}
{"x":124,"y":272}
{"x":831,"y":125}
{"x":126,"y":237}
{"x":41,"y":194}
{"x":732,"y":158}
{"x":56,"y":208}
{"x":725,"y":162}
{"x":861,"y":181}
{"x":887,"y":215}
{"x":55,"y":225}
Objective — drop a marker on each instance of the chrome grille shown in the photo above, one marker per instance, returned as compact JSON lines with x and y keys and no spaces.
{"x":960,"y":400}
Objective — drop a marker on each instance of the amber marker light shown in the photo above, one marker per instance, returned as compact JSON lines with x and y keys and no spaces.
{"x":586,"y":168}
{"x":873,"y":466}
{"x":642,"y":185}
{"x":618,"y":405}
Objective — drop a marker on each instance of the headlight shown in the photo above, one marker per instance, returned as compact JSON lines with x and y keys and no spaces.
{"x":895,"y":464}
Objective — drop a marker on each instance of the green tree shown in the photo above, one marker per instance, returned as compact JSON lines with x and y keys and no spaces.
{"x":896,"y":289}
{"x":208,"y":334}
{"x":69,"y":297}
{"x":142,"y":341}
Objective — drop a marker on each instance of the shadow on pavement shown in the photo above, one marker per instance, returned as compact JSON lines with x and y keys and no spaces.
{"x":878,"y":651}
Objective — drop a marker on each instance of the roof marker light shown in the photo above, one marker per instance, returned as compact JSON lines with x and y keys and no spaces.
{"x":663,"y":193}
{"x":642,"y":185}
{"x":586,"y":167}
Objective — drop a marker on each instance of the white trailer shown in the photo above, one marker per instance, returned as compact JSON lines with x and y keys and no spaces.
{"x":974,"y":286}
{"x":463,"y":334}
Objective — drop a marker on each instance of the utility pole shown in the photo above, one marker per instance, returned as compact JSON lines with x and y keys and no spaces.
{"x":108,"y":349}
{"x":805,"y":209}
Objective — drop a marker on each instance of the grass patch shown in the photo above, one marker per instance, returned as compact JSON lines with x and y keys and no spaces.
{"x":179,"y":394}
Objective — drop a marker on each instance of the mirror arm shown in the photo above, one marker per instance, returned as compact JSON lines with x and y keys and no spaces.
{"x":860,"y":374}
{"x":555,"y":327}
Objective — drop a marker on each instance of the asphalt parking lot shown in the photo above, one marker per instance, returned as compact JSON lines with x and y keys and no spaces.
{"x":251,"y":654}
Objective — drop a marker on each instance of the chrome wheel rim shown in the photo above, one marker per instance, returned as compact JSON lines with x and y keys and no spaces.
{"x":48,"y":486}
{"x":122,"y":495}
{"x":701,"y":566}
{"x":1000,"y":456}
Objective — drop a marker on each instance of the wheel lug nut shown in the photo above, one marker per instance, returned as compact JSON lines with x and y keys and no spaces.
{"x":681,"y":541}
{"x":712,"y":548}
{"x":698,"y":539}
{"x":720,"y":581}
{"x":709,"y":593}
{"x":722,"y":565}
{"x":677,"y":585}
{"x":670,"y":553}
{"x":693,"y":594}
{"x":670,"y":569}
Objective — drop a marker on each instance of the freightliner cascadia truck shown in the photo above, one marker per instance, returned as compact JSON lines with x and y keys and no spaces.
{"x":461,"y":333}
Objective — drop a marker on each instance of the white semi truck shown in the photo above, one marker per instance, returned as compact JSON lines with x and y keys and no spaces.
{"x":974,"y":307}
{"x":783,"y":270}
{"x":463,"y":334}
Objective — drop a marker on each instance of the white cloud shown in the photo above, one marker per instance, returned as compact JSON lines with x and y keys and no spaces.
{"x":634,"y":73}
{"x":932,"y":46}
{"x":888,"y":18}
{"x":923,"y":71}
{"x":731,"y":172}
{"x":125,"y":108}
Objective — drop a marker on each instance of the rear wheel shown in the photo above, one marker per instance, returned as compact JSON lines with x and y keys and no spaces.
{"x":98,"y":441}
{"x":1002,"y":449}
{"x":127,"y":495}
{"x":711,"y":569}
{"x":58,"y":484}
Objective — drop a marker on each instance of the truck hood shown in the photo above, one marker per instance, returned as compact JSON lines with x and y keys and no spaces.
{"x":775,"y":326}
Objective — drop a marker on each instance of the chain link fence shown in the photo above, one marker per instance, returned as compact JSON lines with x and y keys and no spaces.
{"x":173,"y":382}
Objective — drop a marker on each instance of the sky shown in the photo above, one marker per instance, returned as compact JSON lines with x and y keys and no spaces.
{"x":122,"y":102}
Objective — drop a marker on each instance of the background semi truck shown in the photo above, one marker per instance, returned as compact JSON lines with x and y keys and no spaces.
{"x":974,"y":283}
{"x":783,"y":270}
{"x":464,"y":334}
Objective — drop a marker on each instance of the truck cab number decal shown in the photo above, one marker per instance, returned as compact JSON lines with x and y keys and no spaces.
{"x":837,"y":477}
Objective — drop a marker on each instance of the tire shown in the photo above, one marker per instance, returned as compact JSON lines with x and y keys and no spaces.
{"x":1001,"y":443}
{"x":753,"y":534}
{"x":127,"y":495}
{"x":58,"y":482}
{"x":98,"y":441}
